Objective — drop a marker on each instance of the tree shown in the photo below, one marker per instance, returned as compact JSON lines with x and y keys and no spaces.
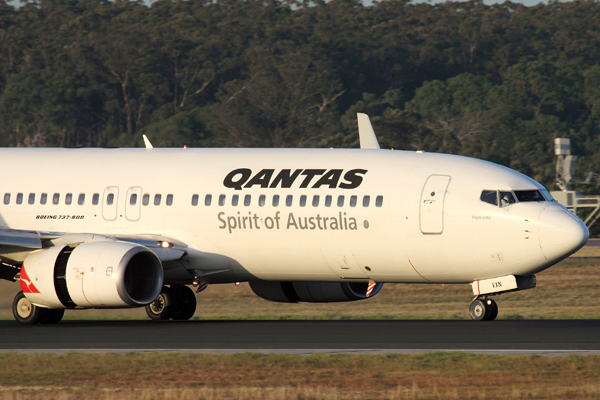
{"x":286,"y":99}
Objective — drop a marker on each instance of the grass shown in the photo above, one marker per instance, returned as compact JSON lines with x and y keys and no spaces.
{"x":318,"y":376}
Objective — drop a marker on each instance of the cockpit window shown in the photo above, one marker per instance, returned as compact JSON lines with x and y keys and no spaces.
{"x":490,"y":196}
{"x":529,"y":195}
{"x":506,"y":198}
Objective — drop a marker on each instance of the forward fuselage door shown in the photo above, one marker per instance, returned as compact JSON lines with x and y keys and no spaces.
{"x":109,"y":203}
{"x":133,"y":201}
{"x":432,"y":204}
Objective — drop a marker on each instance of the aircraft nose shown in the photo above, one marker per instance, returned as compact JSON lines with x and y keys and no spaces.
{"x":561,"y":233}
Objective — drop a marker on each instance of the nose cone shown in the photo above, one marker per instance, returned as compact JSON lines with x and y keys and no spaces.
{"x":561,"y":233}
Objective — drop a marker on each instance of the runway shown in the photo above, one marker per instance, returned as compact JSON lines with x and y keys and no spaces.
{"x":546,"y":337}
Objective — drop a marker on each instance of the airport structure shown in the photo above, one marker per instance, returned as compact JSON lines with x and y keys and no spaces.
{"x":585,"y":207}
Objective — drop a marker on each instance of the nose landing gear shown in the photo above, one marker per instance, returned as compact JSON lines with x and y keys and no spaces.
{"x":483,"y":309}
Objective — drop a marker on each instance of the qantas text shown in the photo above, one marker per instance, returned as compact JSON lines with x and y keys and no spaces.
{"x":285,"y":178}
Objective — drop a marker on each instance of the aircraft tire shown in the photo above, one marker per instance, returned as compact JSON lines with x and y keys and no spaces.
{"x":493,"y":310}
{"x":24,"y":312}
{"x":478,"y":310}
{"x":51,"y":316}
{"x":185,"y":303}
{"x":161,"y":309}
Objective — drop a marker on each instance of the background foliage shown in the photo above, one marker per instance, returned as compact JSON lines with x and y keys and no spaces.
{"x":496,"y":82}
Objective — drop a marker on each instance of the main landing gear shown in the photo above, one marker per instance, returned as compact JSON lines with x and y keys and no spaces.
{"x":29,"y":314}
{"x":177,"y":302}
{"x":483,"y":309}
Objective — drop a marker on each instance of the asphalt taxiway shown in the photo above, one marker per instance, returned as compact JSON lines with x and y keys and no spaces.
{"x":545,"y":337}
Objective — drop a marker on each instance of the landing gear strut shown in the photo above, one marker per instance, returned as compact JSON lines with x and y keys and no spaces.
{"x":27,"y":313}
{"x":177,"y":302}
{"x":483,"y":309}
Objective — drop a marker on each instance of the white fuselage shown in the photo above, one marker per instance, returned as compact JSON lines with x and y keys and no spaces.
{"x":424,"y":222}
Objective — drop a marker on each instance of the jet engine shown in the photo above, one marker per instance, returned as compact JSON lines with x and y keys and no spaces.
{"x":103,"y":274}
{"x":313,"y":292}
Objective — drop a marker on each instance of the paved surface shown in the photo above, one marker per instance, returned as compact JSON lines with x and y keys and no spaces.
{"x":593,"y":242}
{"x":548,"y":337}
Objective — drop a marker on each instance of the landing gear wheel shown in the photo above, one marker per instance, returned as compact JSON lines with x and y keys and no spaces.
{"x":478,"y":310}
{"x":161,"y":308}
{"x":483,"y":310}
{"x":51,"y":316}
{"x":185,"y":303}
{"x":493,"y":310}
{"x":25,"y":312}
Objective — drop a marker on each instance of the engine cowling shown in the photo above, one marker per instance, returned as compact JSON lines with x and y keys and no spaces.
{"x":101,"y":274}
{"x":313,"y":292}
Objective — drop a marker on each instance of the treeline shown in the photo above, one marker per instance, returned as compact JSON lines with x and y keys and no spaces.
{"x":496,"y":82}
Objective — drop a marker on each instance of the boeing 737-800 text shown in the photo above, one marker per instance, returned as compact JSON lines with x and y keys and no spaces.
{"x":109,"y":228}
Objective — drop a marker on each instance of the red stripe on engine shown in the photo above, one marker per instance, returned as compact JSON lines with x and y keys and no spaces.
{"x":370,"y":287}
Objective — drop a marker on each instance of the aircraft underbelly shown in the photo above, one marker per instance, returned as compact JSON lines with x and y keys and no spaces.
{"x":342,"y":262}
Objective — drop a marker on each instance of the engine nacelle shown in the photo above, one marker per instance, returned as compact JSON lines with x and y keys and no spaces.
{"x":313,"y":292}
{"x":92,"y":275}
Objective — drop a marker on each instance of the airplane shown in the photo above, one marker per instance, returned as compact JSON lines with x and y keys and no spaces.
{"x":139,"y":227}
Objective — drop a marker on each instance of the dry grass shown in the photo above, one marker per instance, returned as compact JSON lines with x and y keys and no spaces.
{"x":413,"y":392}
{"x":588,"y":251}
{"x":319,"y":376}
{"x":565,"y":291}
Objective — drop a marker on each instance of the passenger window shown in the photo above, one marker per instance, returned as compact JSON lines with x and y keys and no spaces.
{"x":55,"y":198}
{"x":276,"y":200}
{"x":169,"y":199}
{"x":95,"y":199}
{"x":81,"y":199}
{"x":506,"y":198}
{"x":133,"y":199}
{"x":261,"y":200}
{"x":222,"y":200}
{"x":340,"y":201}
{"x":327,"y":201}
{"x":6,"y":198}
{"x":19,"y":198}
{"x":234,"y":200}
{"x":195,"y":200}
{"x":247,"y":200}
{"x":302,"y":200}
{"x":208,"y":199}
{"x":145,"y":199}
{"x":44,"y":198}
{"x":379,"y":201}
{"x":110,"y":199}
{"x":315,"y":201}
{"x":31,"y":199}
{"x":489,"y":196}
{"x":157,"y":199}
{"x":288,"y":200}
{"x":366,"y":201}
{"x":353,"y":201}
{"x":69,"y":199}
